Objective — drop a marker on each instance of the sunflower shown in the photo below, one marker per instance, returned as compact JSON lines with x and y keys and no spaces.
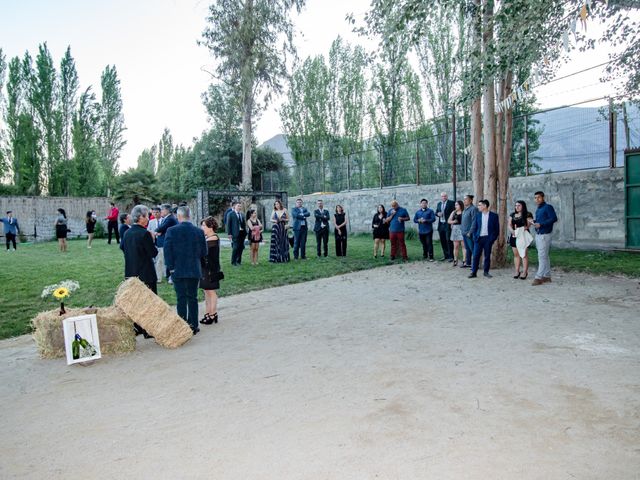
{"x":61,"y":293}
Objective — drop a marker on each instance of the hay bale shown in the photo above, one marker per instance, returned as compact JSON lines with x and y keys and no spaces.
{"x":152,"y":313}
{"x":114,"y":328}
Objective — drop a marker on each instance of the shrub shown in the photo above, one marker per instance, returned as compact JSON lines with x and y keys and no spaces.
{"x":99,"y":230}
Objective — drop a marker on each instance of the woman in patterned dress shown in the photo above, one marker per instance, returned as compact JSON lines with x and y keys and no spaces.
{"x":279,"y":251}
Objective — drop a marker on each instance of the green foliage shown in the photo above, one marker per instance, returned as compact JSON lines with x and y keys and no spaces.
{"x":111,"y":127}
{"x":135,"y":187}
{"x":99,"y":231}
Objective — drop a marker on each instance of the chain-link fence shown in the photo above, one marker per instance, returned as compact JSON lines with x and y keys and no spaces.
{"x":578,"y":137}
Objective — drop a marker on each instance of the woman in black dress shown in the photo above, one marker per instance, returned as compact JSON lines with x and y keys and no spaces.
{"x":521,"y":217}
{"x":62,"y":229}
{"x":91,"y":226}
{"x":380,"y":231}
{"x":340,"y":231}
{"x":254,"y":233}
{"x":211,"y":274}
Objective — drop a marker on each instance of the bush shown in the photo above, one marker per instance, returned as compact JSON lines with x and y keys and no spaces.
{"x":99,"y":230}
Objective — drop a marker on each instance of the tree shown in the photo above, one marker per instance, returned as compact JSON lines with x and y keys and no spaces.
{"x":135,"y":187}
{"x":3,"y":154}
{"x":44,"y":99}
{"x":86,"y":177}
{"x":245,"y":39}
{"x":111,"y":126}
{"x":147,"y":160}
{"x":69,"y":86}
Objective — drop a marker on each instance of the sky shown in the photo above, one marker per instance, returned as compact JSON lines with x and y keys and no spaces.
{"x":153,"y":44}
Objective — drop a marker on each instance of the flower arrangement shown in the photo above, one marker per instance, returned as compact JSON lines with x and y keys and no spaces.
{"x":60,"y":291}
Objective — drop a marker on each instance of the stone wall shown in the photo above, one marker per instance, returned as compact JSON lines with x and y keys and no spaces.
{"x":589,"y":204}
{"x":37,"y":215}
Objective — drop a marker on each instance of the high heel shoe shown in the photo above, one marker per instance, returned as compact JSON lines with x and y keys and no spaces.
{"x":525,"y":276}
{"x":455,"y":263}
{"x":208,"y":319}
{"x":215,"y":317}
{"x":517,"y":276}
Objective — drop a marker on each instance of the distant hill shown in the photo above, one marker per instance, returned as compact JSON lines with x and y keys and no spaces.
{"x":279,"y":144}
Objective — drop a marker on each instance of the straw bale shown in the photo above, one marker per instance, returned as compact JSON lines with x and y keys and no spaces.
{"x":152,"y":313}
{"x":114,"y":328}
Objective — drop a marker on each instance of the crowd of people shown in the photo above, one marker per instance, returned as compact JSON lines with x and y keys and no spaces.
{"x":161,"y":243}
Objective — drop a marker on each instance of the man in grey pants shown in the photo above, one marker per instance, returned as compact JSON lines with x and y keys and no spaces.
{"x":545,"y":218}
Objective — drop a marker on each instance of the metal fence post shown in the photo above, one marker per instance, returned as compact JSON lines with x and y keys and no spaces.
{"x":526,"y":145}
{"x":417,"y":161}
{"x":380,"y":162}
{"x":349,"y":172}
{"x":612,"y":135}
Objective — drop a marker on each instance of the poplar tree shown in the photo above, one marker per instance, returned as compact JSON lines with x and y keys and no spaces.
{"x":69,"y":86}
{"x":250,"y":40}
{"x":111,"y":126}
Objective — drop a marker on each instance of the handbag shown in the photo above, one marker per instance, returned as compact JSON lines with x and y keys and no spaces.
{"x":216,"y":276}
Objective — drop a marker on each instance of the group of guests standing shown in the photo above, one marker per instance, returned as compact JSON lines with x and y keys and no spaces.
{"x":188,"y":255}
{"x":469,"y":231}
{"x":239,"y":227}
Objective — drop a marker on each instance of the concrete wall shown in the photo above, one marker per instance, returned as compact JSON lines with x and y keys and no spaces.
{"x":589,"y":204}
{"x":41,"y":213}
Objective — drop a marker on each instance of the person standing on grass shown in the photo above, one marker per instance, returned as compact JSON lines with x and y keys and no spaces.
{"x":321,"y":228}
{"x":254,"y":230}
{"x":112,"y":222}
{"x":425,"y":218}
{"x":455,"y":220}
{"x":468,"y":215}
{"x":485,"y":231}
{"x":396,"y":218}
{"x":380,"y":231}
{"x":237,"y":230}
{"x":443,"y":211}
{"x":125,"y":224}
{"x":62,"y":229}
{"x":211,"y":274}
{"x":300,"y":215}
{"x":139,"y":252}
{"x":544,"y":219}
{"x":90,"y":222}
{"x":11,"y":228}
{"x":340,"y":231}
{"x":167,"y":220}
{"x":184,"y":247}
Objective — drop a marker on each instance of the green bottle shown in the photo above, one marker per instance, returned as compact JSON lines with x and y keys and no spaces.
{"x":75,"y":348}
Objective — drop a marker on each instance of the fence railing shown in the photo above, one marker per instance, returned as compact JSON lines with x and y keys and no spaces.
{"x":582,"y":136}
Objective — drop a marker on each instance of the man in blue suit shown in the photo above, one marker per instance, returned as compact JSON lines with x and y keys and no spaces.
{"x":300,"y":229}
{"x":484,"y":231}
{"x":184,"y":246}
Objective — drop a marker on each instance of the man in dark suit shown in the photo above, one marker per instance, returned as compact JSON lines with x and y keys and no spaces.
{"x":139,"y":252}
{"x":167,"y":220}
{"x":184,"y":247}
{"x":321,"y":227}
{"x":443,"y":211}
{"x":299,"y":215}
{"x":237,"y":230}
{"x":484,"y":231}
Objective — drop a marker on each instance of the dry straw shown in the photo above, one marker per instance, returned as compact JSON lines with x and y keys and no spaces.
{"x":152,"y":313}
{"x":114,"y":327}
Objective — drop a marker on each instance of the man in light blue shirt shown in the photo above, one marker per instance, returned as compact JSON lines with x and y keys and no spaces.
{"x":11,"y":229}
{"x":545,"y":218}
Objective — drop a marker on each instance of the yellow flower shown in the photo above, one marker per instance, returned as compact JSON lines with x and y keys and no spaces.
{"x":61,"y":293}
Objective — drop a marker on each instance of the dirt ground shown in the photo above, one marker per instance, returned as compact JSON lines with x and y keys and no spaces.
{"x":404,"y":372}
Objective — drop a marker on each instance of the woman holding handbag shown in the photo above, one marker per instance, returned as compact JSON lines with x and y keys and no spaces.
{"x":254,"y":232}
{"x":211,"y":274}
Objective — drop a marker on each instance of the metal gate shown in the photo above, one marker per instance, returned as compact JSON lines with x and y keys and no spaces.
{"x":632,"y":197}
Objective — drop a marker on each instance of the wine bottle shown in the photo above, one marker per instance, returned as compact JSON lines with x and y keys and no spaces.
{"x":75,"y":348}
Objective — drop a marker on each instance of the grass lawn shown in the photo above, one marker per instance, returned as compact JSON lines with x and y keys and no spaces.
{"x":99,"y":271}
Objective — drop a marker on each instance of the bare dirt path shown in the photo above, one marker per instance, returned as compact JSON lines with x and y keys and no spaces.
{"x":404,"y":372}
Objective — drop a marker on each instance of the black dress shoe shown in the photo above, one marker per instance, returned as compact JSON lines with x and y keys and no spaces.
{"x":488,"y":275}
{"x":472,"y":275}
{"x":195,"y":331}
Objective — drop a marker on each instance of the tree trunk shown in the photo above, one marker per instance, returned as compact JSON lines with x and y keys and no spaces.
{"x":476,"y":148}
{"x":246,"y":142}
{"x":504,"y":135}
{"x":488,"y":124}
